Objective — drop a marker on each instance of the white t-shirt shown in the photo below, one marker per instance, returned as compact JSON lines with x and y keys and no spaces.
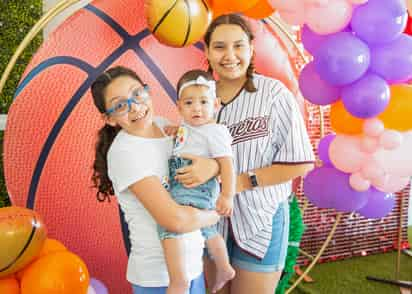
{"x":209,"y":140}
{"x":130,"y":159}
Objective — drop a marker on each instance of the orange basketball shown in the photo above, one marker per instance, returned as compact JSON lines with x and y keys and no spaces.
{"x":22,"y":235}
{"x":49,"y":141}
{"x":9,"y":286}
{"x":56,"y":273}
{"x":178,"y":23}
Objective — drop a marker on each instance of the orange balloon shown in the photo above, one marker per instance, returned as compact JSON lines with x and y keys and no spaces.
{"x":22,"y":234}
{"x":49,"y":246}
{"x":398,"y":114}
{"x":342,"y":121}
{"x":261,"y":10}
{"x":9,"y":286}
{"x":56,"y":273}
{"x":229,"y":6}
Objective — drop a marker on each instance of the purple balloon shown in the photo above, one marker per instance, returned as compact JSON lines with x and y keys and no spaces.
{"x":316,"y":90}
{"x":98,"y":286}
{"x":378,"y":22}
{"x":323,"y":149}
{"x":327,"y":187}
{"x":342,"y":59}
{"x":312,"y":40}
{"x":367,"y":97}
{"x":393,"y":61}
{"x":379,"y":204}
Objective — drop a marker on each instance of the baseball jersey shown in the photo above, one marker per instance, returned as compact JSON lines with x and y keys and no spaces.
{"x":267,"y":128}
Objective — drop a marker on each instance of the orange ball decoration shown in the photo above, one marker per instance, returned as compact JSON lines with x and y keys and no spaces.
{"x":343,"y":122}
{"x":261,"y":10}
{"x":178,"y":23}
{"x":22,"y":234}
{"x":9,"y":286}
{"x":398,"y":113}
{"x":51,"y":246}
{"x":56,"y":273}
{"x":229,"y":6}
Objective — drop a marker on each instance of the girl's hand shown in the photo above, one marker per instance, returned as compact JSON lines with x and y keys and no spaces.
{"x":200,"y":171}
{"x":224,"y":205}
{"x":171,"y":130}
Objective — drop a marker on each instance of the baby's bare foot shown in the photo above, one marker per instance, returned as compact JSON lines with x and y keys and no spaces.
{"x":222,"y":277}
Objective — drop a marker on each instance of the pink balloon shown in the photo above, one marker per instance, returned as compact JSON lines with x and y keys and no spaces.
{"x":357,"y":1}
{"x":373,"y":127}
{"x":289,"y":5}
{"x":358,"y":183}
{"x":369,"y":144}
{"x":372,"y":170}
{"x":392,"y":184}
{"x":390,"y":139}
{"x":345,"y":153}
{"x":397,"y":161}
{"x":317,"y":2}
{"x":293,"y":17}
{"x":330,"y":18}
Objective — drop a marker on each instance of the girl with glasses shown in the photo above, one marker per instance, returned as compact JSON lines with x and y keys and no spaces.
{"x":131,"y":162}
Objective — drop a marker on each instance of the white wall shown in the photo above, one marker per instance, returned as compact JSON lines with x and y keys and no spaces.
{"x":47,"y":4}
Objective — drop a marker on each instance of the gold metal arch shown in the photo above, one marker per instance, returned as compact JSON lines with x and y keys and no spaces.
{"x":44,"y":20}
{"x":64,"y":4}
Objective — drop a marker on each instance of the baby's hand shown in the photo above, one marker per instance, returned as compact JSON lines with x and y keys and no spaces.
{"x":224,"y":205}
{"x":171,"y":130}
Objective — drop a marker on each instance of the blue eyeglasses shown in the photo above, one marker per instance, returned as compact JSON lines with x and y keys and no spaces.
{"x":123,"y":106}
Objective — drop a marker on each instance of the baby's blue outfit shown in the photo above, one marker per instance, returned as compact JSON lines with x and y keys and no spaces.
{"x":205,"y":195}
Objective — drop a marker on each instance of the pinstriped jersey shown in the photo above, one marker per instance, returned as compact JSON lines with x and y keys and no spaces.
{"x":267,"y":127}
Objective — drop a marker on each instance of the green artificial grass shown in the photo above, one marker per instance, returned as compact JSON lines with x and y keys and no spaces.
{"x":349,"y":276}
{"x":17,"y":17}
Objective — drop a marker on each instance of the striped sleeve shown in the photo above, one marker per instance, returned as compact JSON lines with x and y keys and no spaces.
{"x":290,"y":138}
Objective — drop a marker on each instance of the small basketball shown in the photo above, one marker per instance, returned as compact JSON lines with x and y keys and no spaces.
{"x":56,"y":273}
{"x":22,"y":234}
{"x":178,"y":23}
{"x":9,"y":286}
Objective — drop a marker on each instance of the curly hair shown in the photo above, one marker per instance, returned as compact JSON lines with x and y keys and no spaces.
{"x":234,"y":19}
{"x":107,"y":133}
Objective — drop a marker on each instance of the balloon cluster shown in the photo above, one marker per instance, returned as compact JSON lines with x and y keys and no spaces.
{"x":360,"y":65}
{"x":44,"y":265}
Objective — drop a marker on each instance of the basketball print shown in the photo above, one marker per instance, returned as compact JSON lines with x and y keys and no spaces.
{"x":178,"y":23}
{"x":52,"y":125}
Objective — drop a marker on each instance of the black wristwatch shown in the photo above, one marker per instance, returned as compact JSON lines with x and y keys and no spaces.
{"x":253,"y":179}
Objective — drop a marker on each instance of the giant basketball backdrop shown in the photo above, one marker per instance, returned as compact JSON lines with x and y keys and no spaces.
{"x":51,"y":129}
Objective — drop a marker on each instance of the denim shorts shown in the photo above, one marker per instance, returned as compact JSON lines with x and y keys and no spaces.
{"x":275,"y":257}
{"x":197,"y":286}
{"x":203,"y":197}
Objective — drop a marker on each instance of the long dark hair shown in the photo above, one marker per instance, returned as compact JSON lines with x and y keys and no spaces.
{"x":234,"y":19}
{"x":107,"y":133}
